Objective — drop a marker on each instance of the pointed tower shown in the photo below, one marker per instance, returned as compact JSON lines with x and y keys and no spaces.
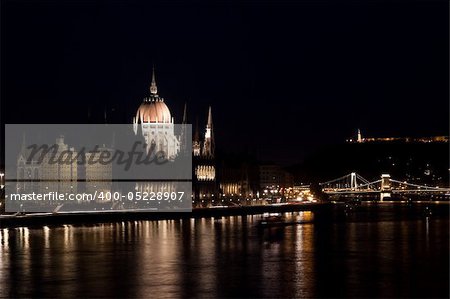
{"x":24,"y":143}
{"x":205,"y":184}
{"x":185,"y":114}
{"x":208,"y":145}
{"x":196,"y":143}
{"x":184,"y":133}
{"x":153,"y":88}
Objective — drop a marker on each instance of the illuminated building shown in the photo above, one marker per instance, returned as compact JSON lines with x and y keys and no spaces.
{"x":211,"y":181}
{"x":2,"y":191}
{"x":196,"y":147}
{"x":208,"y":145}
{"x":154,"y":121}
{"x":274,"y":180}
{"x":239,"y":178}
{"x":430,"y":139}
{"x":39,"y":174}
{"x":98,"y":175}
{"x":273,"y":176}
{"x":205,"y":179}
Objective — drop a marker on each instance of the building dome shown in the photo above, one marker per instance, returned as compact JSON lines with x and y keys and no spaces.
{"x":153,"y":111}
{"x":156,"y":125}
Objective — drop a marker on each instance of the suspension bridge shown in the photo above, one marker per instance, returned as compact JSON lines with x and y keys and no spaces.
{"x":354,"y":183}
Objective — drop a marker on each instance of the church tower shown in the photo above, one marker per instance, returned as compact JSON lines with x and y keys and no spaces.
{"x":205,"y":181}
{"x":208,"y":145}
{"x":184,"y":134}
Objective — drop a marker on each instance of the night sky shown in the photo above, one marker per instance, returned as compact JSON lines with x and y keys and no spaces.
{"x":283,"y":78}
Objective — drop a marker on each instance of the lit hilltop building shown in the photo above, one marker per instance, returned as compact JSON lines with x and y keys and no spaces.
{"x":429,"y":139}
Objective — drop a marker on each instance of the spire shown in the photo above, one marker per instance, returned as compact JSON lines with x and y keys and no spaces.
{"x":209,"y":125}
{"x":153,"y":88}
{"x":208,"y":145}
{"x":184,"y":134}
{"x":185,"y":114}
{"x":24,"y":143}
{"x":23,"y":148}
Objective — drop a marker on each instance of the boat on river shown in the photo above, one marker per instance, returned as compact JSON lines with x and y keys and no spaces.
{"x":279,"y":221}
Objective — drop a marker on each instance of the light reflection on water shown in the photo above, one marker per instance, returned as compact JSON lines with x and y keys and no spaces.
{"x":228,"y":257}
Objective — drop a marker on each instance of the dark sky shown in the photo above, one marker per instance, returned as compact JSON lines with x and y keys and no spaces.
{"x":284,"y":77}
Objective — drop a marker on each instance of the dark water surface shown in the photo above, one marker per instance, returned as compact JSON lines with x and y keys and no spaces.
{"x":372,"y":251}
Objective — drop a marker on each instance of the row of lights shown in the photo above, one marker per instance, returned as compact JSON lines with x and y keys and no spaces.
{"x":222,"y":195}
{"x":247,"y":199}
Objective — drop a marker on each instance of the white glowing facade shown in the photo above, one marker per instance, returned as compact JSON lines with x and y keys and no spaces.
{"x":359,"y":138}
{"x":34,"y":174}
{"x":205,"y":170}
{"x":154,"y":121}
{"x":98,"y":175}
{"x":196,"y":147}
{"x":208,"y":146}
{"x":205,"y":174}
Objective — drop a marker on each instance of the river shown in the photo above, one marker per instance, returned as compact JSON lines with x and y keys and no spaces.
{"x":370,"y":251}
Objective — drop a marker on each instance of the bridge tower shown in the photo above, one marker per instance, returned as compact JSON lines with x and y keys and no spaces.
{"x":353,"y":183}
{"x":386,"y":188}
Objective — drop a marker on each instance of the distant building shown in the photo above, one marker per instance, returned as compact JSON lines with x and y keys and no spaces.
{"x":273,"y":176}
{"x":205,"y":187}
{"x":239,"y":177}
{"x":360,"y":139}
{"x":416,"y":162}
{"x":98,"y":175}
{"x":40,"y":174}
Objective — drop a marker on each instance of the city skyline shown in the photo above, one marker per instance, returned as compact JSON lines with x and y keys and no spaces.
{"x":223,"y":149}
{"x":292,"y":81}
